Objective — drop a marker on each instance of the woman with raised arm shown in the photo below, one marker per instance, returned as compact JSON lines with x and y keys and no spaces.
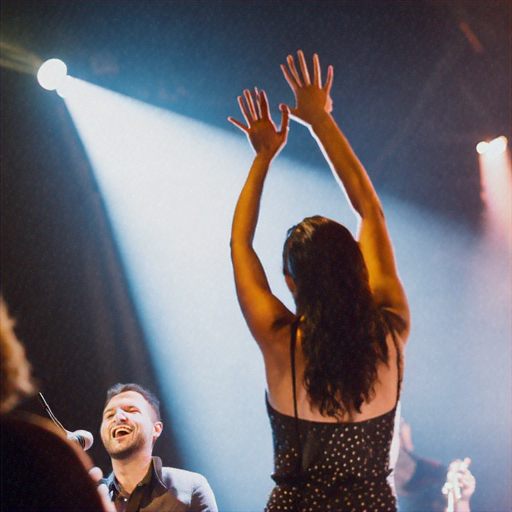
{"x":334,"y":367}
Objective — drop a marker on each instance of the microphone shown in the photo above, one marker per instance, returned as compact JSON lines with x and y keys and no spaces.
{"x":82,"y":437}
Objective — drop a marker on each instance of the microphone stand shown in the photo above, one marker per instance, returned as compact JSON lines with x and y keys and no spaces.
{"x":79,"y":439}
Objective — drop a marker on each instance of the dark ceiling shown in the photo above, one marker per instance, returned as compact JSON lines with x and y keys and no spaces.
{"x":417,"y":84}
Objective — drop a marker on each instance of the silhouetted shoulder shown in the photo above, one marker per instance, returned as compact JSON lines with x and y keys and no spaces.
{"x":41,"y":470}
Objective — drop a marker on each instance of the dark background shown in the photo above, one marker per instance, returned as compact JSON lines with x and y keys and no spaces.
{"x":418,"y":84}
{"x":405,"y":71}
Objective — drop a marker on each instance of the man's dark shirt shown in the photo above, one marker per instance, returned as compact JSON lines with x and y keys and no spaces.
{"x":164,"y":490}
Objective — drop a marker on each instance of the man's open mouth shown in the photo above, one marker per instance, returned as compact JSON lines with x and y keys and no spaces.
{"x":120,"y":432}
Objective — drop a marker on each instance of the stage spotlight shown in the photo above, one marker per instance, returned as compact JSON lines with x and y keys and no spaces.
{"x":492,"y":148}
{"x":496,"y":183}
{"x":51,"y":74}
{"x":481,"y":147}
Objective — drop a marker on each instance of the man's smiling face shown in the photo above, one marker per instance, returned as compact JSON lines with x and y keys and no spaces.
{"x":129,"y":425}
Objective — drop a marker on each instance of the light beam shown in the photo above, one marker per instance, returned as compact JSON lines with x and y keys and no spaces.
{"x":496,"y":186}
{"x":170,"y":185}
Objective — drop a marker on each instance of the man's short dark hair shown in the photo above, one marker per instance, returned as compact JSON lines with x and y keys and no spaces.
{"x":150,"y":398}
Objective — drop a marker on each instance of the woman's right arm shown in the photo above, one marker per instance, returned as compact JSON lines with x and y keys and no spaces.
{"x":261,"y":309}
{"x":313,"y":108}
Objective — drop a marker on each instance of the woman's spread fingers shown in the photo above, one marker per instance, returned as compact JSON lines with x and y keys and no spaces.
{"x":250,"y":104}
{"x":238,"y":124}
{"x":264,"y":105}
{"x":330,"y":75}
{"x":243,"y":108}
{"x":304,"y":67}
{"x":318,"y":74}
{"x":289,"y":78}
{"x":285,"y":120}
{"x":259,"y":107}
{"x":293,"y":70}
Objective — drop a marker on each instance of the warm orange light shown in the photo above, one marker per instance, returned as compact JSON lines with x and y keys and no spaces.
{"x":496,"y":180}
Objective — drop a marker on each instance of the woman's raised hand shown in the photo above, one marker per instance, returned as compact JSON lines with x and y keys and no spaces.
{"x":312,"y":100}
{"x":261,"y":131}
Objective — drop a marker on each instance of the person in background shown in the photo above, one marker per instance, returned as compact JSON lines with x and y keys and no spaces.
{"x":425,"y":485}
{"x":130,"y":426}
{"x":41,"y":469}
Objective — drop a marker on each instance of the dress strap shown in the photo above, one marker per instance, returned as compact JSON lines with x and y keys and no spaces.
{"x":300,"y":475}
{"x":392,"y":330}
{"x":293,"y":343}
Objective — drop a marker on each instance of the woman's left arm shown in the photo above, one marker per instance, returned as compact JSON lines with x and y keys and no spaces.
{"x":261,"y":309}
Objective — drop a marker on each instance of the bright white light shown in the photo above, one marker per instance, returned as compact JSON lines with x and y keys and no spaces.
{"x":495,"y":147}
{"x":481,"y":147}
{"x":496,"y":182}
{"x":51,"y":74}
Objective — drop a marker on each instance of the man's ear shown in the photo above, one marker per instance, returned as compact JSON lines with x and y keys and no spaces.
{"x":158,"y":426}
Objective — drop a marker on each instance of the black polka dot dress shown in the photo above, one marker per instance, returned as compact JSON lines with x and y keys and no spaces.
{"x":345,"y":466}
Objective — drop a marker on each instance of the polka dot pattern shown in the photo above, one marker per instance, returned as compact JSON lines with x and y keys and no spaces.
{"x":345,"y":466}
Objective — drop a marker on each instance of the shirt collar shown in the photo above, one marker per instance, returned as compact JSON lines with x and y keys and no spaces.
{"x":154,"y":472}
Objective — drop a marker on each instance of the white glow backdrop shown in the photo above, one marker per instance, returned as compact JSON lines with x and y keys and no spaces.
{"x":170,"y":185}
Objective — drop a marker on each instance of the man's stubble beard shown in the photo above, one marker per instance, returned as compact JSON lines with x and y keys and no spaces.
{"x":123,"y":453}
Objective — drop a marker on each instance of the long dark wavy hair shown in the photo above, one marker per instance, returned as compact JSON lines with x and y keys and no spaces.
{"x":343,"y":332}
